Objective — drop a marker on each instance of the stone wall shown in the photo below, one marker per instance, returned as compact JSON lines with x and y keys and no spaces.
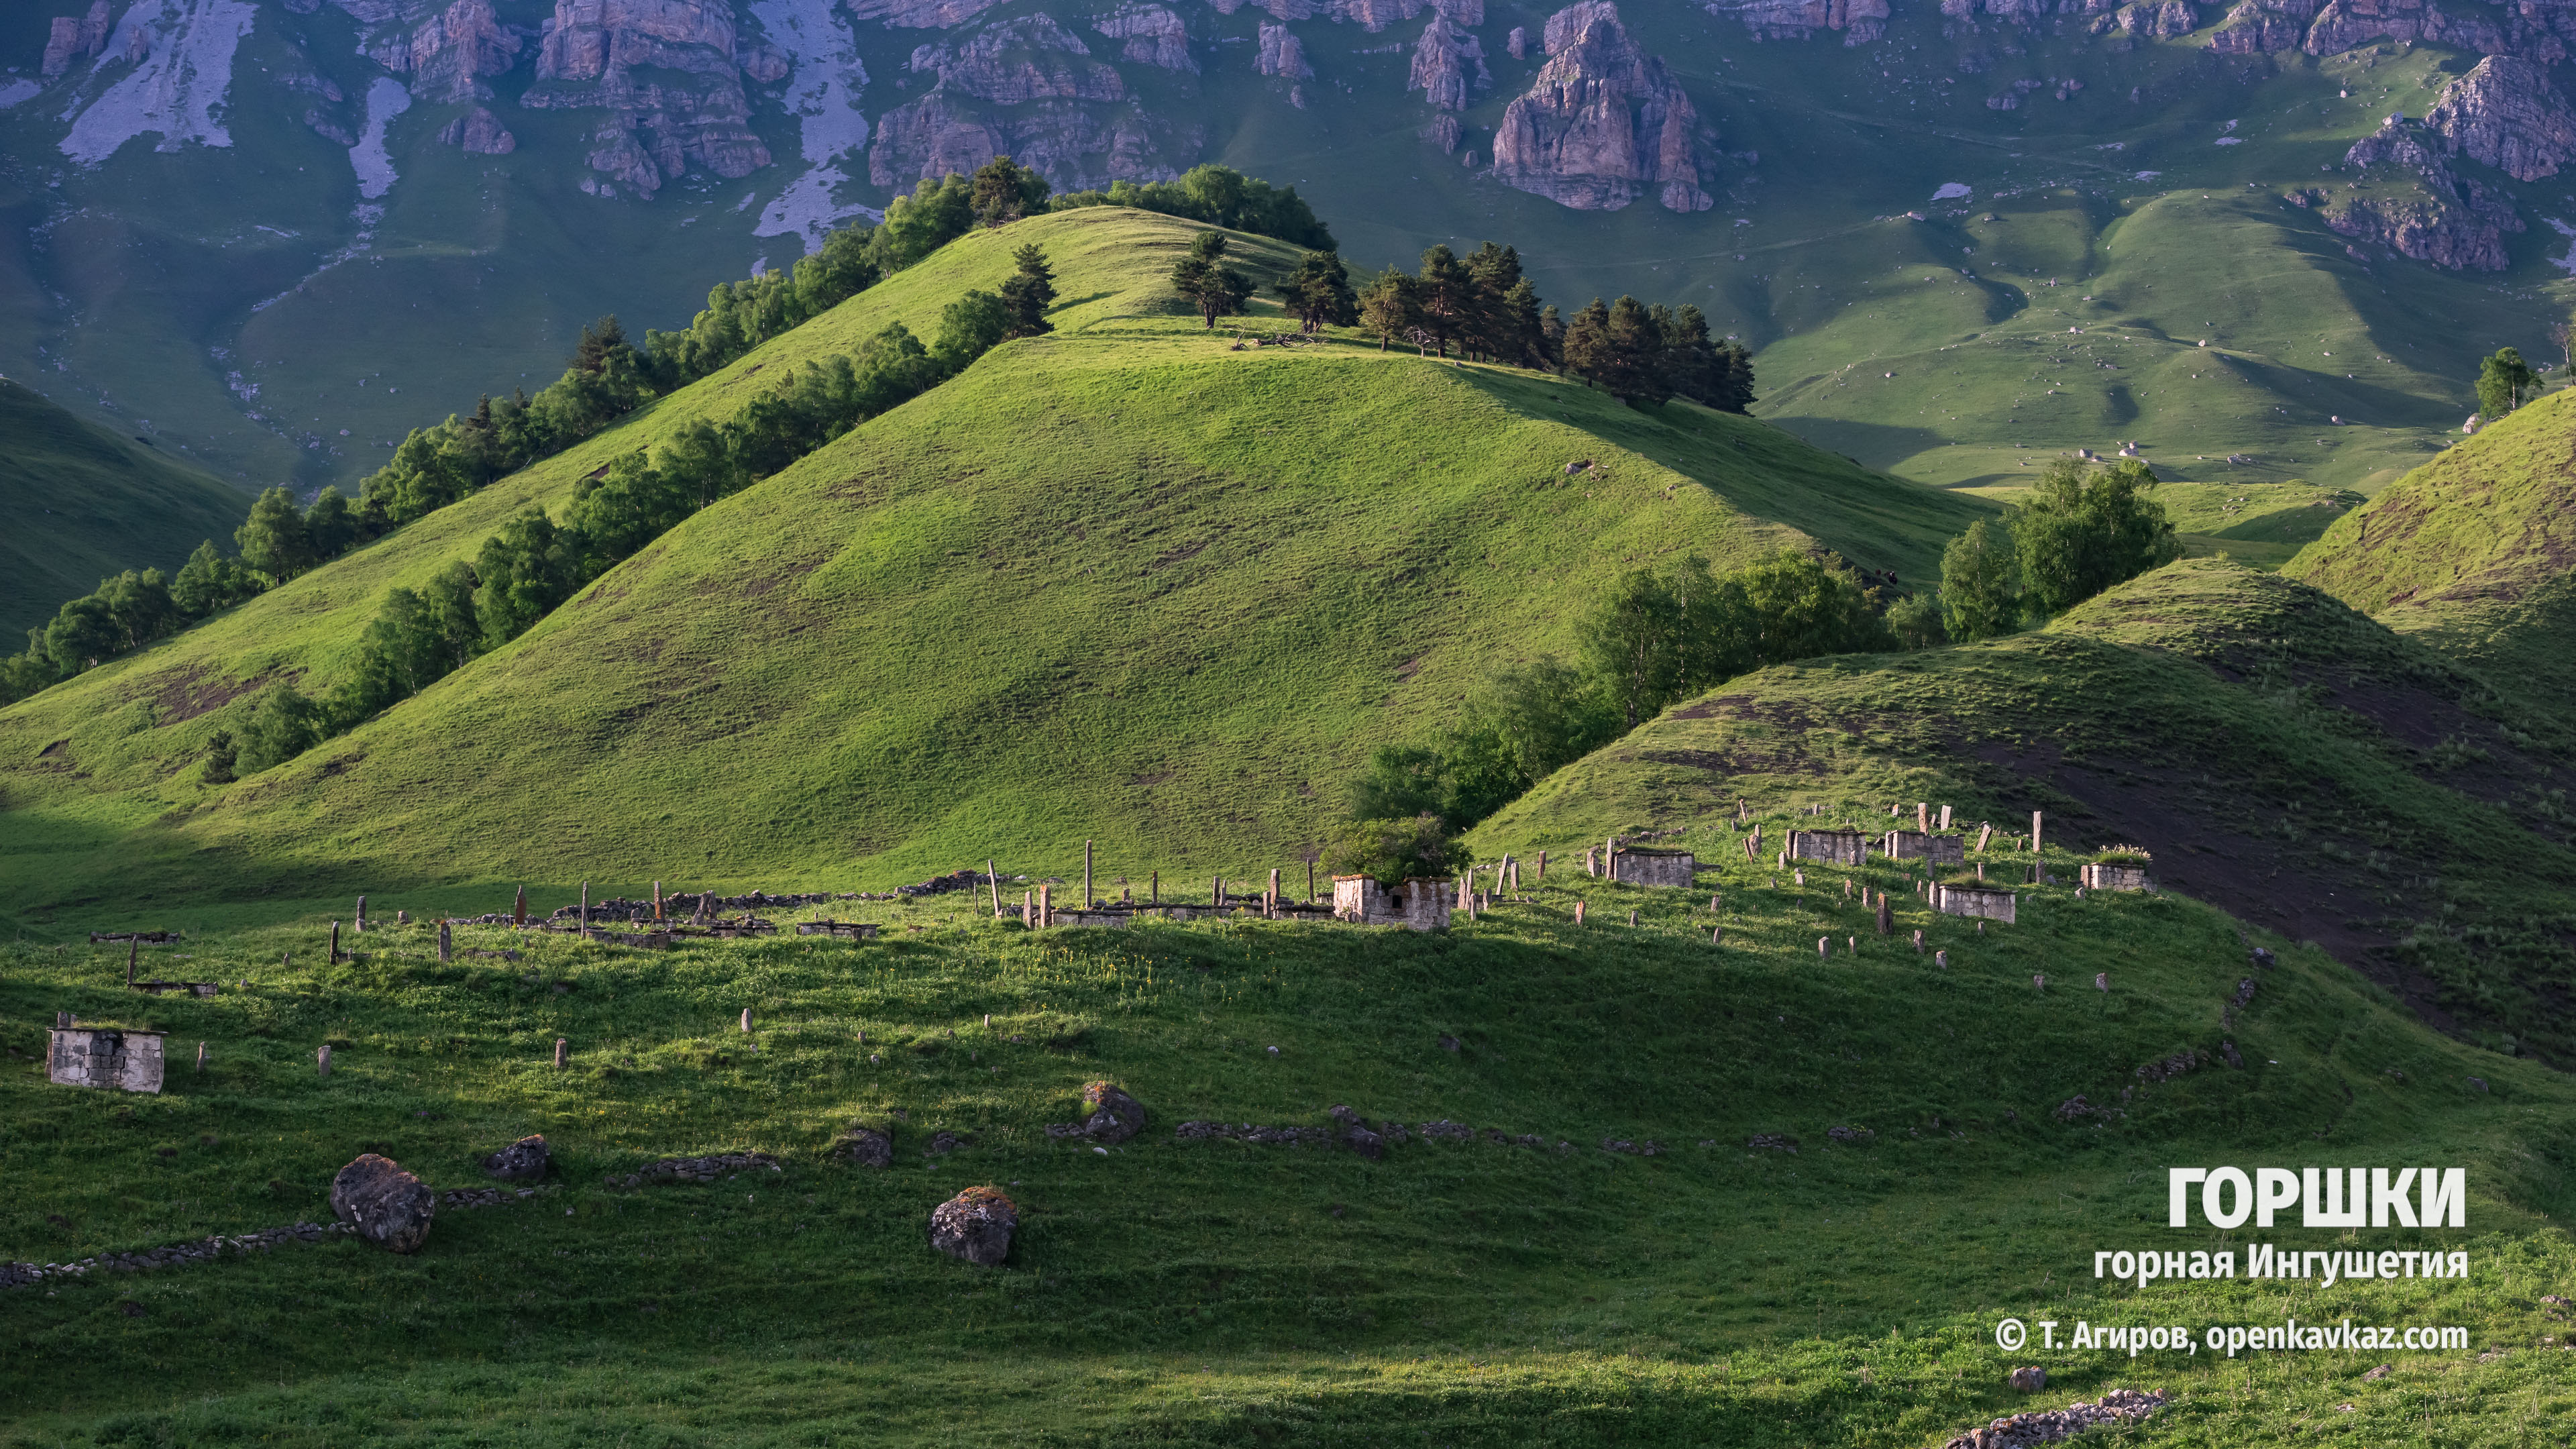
{"x":2116,"y":878}
{"x":1835,"y":847}
{"x":1421,"y":905}
{"x":1916,"y":845}
{"x":1653,"y":867}
{"x":99,"y":1056}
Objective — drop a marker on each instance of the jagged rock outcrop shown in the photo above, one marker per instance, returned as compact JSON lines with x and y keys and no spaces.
{"x":2151,"y":18}
{"x":327,"y":128}
{"x":1443,"y":132}
{"x":1017,"y":61}
{"x":924,"y":14}
{"x":1517,"y":43}
{"x":1603,"y":124}
{"x":479,"y":133}
{"x":1860,"y":21}
{"x":1153,"y":34}
{"x":75,"y":35}
{"x":692,"y":109}
{"x":2259,"y":27}
{"x":1448,"y":65}
{"x":449,"y":53}
{"x":1282,"y":54}
{"x":2507,"y":115}
{"x":2433,"y":214}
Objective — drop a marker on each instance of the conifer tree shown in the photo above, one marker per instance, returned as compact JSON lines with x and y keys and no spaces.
{"x":1318,"y":292}
{"x":1388,"y":308}
{"x":1217,"y":290}
{"x":1029,"y":292}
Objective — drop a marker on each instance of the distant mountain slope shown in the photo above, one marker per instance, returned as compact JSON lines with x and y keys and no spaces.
{"x":2281,"y":755}
{"x":2474,"y":553}
{"x":1123,"y":581}
{"x":84,"y":503}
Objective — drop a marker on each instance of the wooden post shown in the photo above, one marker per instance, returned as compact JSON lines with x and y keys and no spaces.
{"x":335,"y":943}
{"x":584,"y":918}
{"x":1046,"y":904}
{"x":322,"y":1061}
{"x":1274,"y":891}
{"x":746,"y":1021}
{"x":1086,"y":875}
{"x":446,"y":945}
{"x":561,"y":1051}
{"x":993,"y":878}
{"x":1154,"y":888}
{"x":1885,"y":924}
{"x":657,"y":900}
{"x":1542,"y":866}
{"x":1028,"y":910}
{"x":134,"y":948}
{"x":1216,"y":891}
{"x":201,"y":1059}
{"x":1578,"y":913}
{"x":519,"y":910}
{"x":1310,"y":882}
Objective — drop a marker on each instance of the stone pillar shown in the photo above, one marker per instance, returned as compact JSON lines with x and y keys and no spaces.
{"x":359,"y":924}
{"x":519,"y":909}
{"x":2034,"y":834}
{"x":1086,"y":875}
{"x":446,"y":944}
{"x":562,"y":1052}
{"x":322,"y":1061}
{"x":335,"y":943}
{"x":746,"y":1021}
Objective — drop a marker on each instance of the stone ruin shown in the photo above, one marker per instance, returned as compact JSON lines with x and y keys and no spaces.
{"x":1834,"y":847}
{"x":103,"y":1056}
{"x":2116,"y":878}
{"x":1992,"y":905}
{"x":1418,"y":904}
{"x":1919,"y":845}
{"x":1639,"y":866}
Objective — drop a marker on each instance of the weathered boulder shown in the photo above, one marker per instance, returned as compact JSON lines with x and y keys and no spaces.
{"x":2507,"y":115}
{"x":1603,"y":123}
{"x":1110,"y":1115}
{"x":525,"y":1160}
{"x":865,"y":1147}
{"x":388,"y":1206}
{"x":975,"y":1225}
{"x":2029,"y":1379}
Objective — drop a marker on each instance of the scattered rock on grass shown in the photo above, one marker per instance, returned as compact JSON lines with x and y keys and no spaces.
{"x":522,"y":1161}
{"x":2029,"y":1379}
{"x":976,"y":1226}
{"x":1112,"y":1115}
{"x":865,"y":1147}
{"x":2047,"y":1426}
{"x":1772,"y":1142}
{"x":389,"y":1207}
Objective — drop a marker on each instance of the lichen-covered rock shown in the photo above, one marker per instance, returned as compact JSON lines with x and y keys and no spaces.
{"x":2048,"y":1426}
{"x":975,"y":1225}
{"x":525,"y":1160}
{"x":1448,"y":65}
{"x":1603,"y":123}
{"x":865,"y":1147}
{"x":388,"y":1206}
{"x":2506,"y":114}
{"x":1110,"y":1115}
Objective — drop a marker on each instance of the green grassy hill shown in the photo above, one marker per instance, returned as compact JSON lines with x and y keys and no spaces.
{"x":86,"y":504}
{"x":1225,"y":1293}
{"x":2281,"y":755}
{"x":1123,"y":582}
{"x":2471,"y":554}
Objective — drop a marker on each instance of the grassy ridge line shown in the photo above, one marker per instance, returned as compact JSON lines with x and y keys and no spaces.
{"x":86,"y":503}
{"x":1214,"y":1293}
{"x":1129,"y":420}
{"x":2472,"y":552}
{"x":133,"y":767}
{"x":2282,"y":756}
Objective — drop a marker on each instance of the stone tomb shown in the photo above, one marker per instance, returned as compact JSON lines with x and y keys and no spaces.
{"x":1639,"y":866}
{"x":1422,"y":905}
{"x":2116,"y":878}
{"x":102,"y":1056}
{"x":1835,"y":847}
{"x":1916,"y":845}
{"x":1993,"y":905}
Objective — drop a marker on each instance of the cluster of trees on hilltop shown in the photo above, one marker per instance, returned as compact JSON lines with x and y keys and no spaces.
{"x":1481,"y":306}
{"x":2080,"y":530}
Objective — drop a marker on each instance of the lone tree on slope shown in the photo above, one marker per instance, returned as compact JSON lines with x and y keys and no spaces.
{"x":1216,"y":289}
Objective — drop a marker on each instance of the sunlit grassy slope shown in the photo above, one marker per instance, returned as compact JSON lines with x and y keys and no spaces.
{"x":1124,"y":581}
{"x":84,"y":503}
{"x":2280,"y":754}
{"x":2471,"y":554}
{"x":1220,"y":1293}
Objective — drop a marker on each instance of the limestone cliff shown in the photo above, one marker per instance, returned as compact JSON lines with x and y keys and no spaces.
{"x":1282,"y":54}
{"x":1603,"y":123}
{"x":1030,"y":89}
{"x":479,"y":133}
{"x":2507,"y":115}
{"x":1448,"y":65}
{"x":921,"y":14}
{"x":1154,"y":35}
{"x":2416,"y":205}
{"x":75,"y":35}
{"x":691,"y":109}
{"x":449,"y":52}
{"x":1860,"y":21}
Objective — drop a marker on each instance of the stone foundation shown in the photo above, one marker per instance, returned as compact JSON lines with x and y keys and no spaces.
{"x":1917,"y":845}
{"x":99,"y":1056}
{"x":2116,"y":878}
{"x":1992,"y":905}
{"x":1834,"y":847}
{"x":1639,"y":866}
{"x":1418,"y":904}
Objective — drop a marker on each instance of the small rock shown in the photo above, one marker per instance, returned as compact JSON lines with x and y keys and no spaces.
{"x":865,"y":1147}
{"x":2264,"y":958}
{"x":2479,"y":1082}
{"x":975,"y":1225}
{"x":1449,"y":1043}
{"x":1112,"y":1115}
{"x":1772,"y":1142}
{"x":2030,"y":1379}
{"x":388,"y":1206}
{"x":1850,"y":1134}
{"x":2381,"y":1372}
{"x":522,"y":1161}
{"x":943,"y":1143}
